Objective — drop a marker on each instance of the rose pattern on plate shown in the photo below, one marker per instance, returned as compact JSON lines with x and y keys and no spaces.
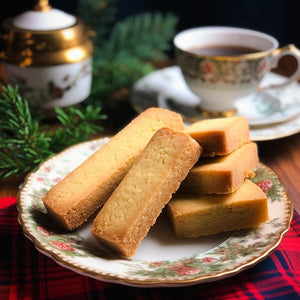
{"x":226,"y":255}
{"x":241,"y":247}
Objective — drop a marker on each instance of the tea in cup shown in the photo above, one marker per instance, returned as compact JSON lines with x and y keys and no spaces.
{"x":223,"y":64}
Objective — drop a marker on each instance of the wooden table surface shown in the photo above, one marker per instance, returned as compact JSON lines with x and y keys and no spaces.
{"x":281,"y":155}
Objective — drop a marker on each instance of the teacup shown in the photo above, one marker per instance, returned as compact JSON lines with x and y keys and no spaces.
{"x":223,"y":64}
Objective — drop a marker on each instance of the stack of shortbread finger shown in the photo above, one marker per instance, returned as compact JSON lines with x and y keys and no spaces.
{"x":129,"y":180}
{"x":217,"y":195}
{"x":202,"y":169}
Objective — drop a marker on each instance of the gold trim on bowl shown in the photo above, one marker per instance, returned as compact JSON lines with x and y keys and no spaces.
{"x":45,"y":47}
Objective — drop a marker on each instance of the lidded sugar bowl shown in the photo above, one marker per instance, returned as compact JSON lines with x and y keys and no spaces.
{"x":48,"y":54}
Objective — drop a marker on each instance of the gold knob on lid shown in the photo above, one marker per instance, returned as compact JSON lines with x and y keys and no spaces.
{"x":42,"y":5}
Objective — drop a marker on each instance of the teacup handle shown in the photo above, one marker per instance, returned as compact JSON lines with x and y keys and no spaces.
{"x":277,"y":54}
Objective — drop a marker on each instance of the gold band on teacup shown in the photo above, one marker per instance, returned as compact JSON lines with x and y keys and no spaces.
{"x":248,"y":56}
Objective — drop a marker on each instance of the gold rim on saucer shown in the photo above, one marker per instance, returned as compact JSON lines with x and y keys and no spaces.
{"x":217,"y":114}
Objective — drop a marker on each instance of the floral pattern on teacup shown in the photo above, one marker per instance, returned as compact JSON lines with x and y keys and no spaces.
{"x":211,"y":72}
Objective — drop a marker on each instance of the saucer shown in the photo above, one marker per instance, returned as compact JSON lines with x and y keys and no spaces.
{"x":271,"y":114}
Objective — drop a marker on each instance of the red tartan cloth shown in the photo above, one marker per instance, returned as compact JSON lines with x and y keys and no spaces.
{"x":25,"y":273}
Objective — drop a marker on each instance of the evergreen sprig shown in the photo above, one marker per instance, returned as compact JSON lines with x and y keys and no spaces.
{"x":145,"y":36}
{"x":115,"y":76}
{"x":77,"y":125}
{"x":24,"y":144}
{"x":126,"y":50}
{"x":99,"y":15}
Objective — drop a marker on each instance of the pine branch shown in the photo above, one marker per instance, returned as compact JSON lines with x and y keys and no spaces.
{"x":77,"y":126}
{"x":146,"y":36}
{"x":98,"y":15}
{"x":24,"y":145}
{"x":128,"y":54}
{"x":130,"y":48}
{"x":118,"y":74}
{"x":21,"y":143}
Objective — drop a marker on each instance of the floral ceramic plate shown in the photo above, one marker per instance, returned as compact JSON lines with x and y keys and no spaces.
{"x":271,"y":114}
{"x":161,"y":259}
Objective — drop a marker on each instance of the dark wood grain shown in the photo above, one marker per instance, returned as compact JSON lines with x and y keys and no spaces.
{"x":283,"y":157}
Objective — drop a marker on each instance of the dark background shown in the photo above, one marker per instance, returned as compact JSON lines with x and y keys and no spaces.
{"x":279,"y":18}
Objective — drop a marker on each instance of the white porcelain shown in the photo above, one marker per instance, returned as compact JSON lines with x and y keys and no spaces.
{"x":52,"y":86}
{"x":271,"y":114}
{"x":40,"y":20}
{"x":48,"y":54}
{"x":161,"y":259}
{"x":220,"y":80}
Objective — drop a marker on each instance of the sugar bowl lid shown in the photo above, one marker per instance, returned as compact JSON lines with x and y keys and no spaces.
{"x":44,"y":17}
{"x":44,"y":36}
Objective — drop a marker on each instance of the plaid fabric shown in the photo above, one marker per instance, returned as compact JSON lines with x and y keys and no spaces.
{"x":27,"y":274}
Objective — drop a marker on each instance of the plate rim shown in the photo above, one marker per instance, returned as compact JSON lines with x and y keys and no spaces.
{"x":137,"y":282}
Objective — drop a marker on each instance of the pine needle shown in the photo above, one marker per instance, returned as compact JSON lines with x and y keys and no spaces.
{"x":24,"y":145}
{"x":146,"y":36}
{"x":124,"y":51}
